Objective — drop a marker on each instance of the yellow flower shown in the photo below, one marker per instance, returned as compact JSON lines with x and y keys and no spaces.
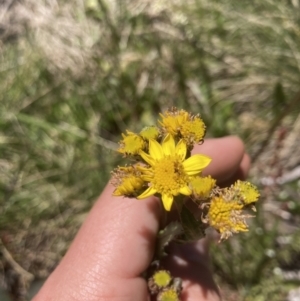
{"x":181,"y":124}
{"x":225,"y":215}
{"x":169,"y":294}
{"x":131,"y":144}
{"x":150,"y":132}
{"x":162,"y":278}
{"x":128,"y":182}
{"x":202,"y":186}
{"x":169,"y":172}
{"x":247,"y":191}
{"x":193,"y":130}
{"x":173,"y":120}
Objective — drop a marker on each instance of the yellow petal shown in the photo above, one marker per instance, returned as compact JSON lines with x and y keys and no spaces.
{"x":117,"y":192}
{"x":147,"y":176}
{"x":168,"y":145}
{"x":148,"y":192}
{"x":185,"y":190}
{"x":155,"y":150}
{"x":147,"y":158}
{"x":167,"y":201}
{"x":181,"y":149}
{"x":195,"y":164}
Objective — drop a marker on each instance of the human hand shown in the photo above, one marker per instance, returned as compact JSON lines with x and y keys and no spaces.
{"x":115,"y":244}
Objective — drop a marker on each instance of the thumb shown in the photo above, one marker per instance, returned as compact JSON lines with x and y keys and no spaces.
{"x":112,"y":249}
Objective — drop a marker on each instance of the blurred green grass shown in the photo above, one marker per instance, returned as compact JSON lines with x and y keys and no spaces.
{"x":75,"y":76}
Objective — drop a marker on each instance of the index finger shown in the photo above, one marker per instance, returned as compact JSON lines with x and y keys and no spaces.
{"x":228,"y":158}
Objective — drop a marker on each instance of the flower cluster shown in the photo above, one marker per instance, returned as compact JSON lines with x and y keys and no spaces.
{"x":226,"y":206}
{"x":164,"y":166}
{"x":164,"y":286}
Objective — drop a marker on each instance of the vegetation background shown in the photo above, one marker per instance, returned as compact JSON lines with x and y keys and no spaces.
{"x":74,"y":75}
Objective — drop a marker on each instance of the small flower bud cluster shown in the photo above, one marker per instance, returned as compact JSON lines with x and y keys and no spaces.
{"x":164,"y":286}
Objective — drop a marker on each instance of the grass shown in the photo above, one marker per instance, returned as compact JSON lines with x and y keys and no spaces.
{"x":73,"y":77}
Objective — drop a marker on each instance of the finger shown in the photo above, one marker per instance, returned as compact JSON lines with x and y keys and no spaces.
{"x":112,"y":249}
{"x":227,"y":154}
{"x":190,"y":262}
{"x":241,"y":173}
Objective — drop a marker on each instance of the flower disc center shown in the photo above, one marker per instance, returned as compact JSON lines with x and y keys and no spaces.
{"x":169,"y":176}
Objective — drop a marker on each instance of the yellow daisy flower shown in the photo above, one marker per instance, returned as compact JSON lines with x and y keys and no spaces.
{"x":181,"y":124}
{"x":169,"y":172}
{"x":202,"y":186}
{"x":193,"y":130}
{"x":169,"y":294}
{"x":247,"y":191}
{"x":150,"y":132}
{"x":172,"y":120}
{"x":162,"y":278}
{"x":131,"y":144}
{"x":128,"y":182}
{"x":226,"y":216}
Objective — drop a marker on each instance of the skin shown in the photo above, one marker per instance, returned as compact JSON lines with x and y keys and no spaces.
{"x":115,"y":244}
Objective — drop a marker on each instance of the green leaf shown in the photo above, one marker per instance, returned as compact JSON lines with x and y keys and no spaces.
{"x":165,"y":236}
{"x":193,"y":229}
